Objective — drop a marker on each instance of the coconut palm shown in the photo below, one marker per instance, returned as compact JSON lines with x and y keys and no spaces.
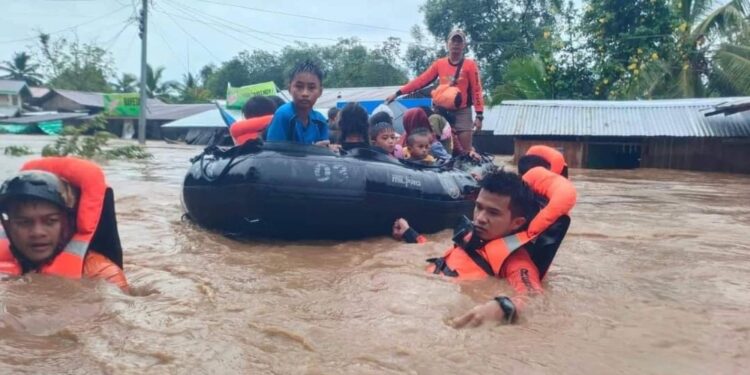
{"x":730,"y":73}
{"x":155,"y":88}
{"x":189,"y":91}
{"x":20,"y":68}
{"x":525,"y":78}
{"x":126,"y":83}
{"x":701,"y":36}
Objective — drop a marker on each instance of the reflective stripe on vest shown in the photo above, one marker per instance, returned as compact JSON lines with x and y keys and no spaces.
{"x":458,"y":263}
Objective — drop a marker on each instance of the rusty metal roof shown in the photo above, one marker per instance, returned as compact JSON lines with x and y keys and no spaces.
{"x":652,"y":118}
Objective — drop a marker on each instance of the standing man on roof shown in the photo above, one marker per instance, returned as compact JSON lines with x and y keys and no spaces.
{"x":459,"y":87}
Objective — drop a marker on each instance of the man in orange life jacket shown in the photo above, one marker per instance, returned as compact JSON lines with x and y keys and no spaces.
{"x":544,"y":170}
{"x":555,"y":194}
{"x":52,"y":212}
{"x":491,"y":245}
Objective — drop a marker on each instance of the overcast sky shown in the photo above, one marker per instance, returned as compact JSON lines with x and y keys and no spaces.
{"x":188,"y":34}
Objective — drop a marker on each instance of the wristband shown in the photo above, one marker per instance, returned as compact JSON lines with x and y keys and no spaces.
{"x":509,"y":309}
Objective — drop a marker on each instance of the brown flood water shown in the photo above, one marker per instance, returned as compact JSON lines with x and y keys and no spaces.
{"x":653,"y":278}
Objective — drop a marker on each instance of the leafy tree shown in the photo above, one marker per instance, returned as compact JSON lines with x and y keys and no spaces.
{"x":419,"y":55}
{"x":155,"y":87}
{"x":235,"y":72}
{"x":74,"y":65}
{"x":19,"y":68}
{"x":126,"y":83}
{"x":498,"y":31}
{"x":623,"y":37}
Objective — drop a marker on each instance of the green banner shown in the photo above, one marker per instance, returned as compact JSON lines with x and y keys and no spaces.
{"x":237,"y":96}
{"x":122,"y":105}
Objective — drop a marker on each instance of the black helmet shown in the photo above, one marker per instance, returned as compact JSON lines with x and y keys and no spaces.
{"x":39,"y":184}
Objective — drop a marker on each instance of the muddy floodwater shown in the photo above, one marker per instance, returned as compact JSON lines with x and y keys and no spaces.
{"x":653,"y":278}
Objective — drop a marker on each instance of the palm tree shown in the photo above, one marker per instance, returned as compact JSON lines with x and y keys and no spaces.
{"x":126,"y":83}
{"x":157,"y":89}
{"x":190,"y":92}
{"x":20,"y":69}
{"x":698,"y":41}
{"x":525,"y":78}
{"x":730,"y":75}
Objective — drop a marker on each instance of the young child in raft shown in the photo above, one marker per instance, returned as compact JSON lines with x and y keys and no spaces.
{"x":258,"y":112}
{"x":297,"y":121}
{"x":382,"y":133}
{"x":418,"y":147}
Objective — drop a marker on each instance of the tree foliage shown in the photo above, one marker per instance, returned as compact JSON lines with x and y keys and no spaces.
{"x":347,"y":63}
{"x":20,"y":68}
{"x":74,"y":65}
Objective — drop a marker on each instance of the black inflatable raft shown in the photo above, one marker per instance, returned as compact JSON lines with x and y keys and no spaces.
{"x":296,"y":191}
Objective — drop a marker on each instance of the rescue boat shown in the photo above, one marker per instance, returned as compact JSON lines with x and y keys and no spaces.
{"x":299,"y":191}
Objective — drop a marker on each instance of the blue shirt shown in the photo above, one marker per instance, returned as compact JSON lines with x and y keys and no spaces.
{"x":286,"y":127}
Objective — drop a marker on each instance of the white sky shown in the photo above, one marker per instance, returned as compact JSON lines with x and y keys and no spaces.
{"x":187,"y":34}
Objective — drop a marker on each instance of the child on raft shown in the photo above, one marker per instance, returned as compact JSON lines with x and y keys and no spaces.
{"x":382,"y":133}
{"x":353,"y":124}
{"x":418,"y":147}
{"x":297,"y":121}
{"x":415,"y":120}
{"x":258,"y":112}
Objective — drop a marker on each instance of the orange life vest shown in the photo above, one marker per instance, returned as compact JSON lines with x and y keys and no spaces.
{"x":478,"y":264}
{"x":249,"y":129}
{"x":552,"y":156}
{"x":560,"y":194}
{"x":89,"y":178}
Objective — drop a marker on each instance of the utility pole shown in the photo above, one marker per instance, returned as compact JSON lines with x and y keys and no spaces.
{"x":144,"y":98}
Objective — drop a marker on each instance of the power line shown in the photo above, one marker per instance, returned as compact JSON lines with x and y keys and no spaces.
{"x":216,"y":26}
{"x":97,"y":18}
{"x":174,"y":53}
{"x":192,"y":37}
{"x":306,"y":17}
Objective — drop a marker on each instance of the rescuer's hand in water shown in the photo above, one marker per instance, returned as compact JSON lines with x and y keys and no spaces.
{"x":489,"y":311}
{"x":400,"y":226}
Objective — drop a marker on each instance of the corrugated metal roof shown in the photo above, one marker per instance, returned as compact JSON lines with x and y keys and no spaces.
{"x":171,"y":112}
{"x":7,"y":85}
{"x":91,"y":99}
{"x":210,"y":118}
{"x":40,"y":118}
{"x":84,"y":98}
{"x":8,"y":111}
{"x":38,"y":92}
{"x":654,"y":118}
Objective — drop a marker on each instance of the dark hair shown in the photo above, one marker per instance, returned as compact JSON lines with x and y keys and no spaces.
{"x":417,"y":133}
{"x":332,"y":112}
{"x":353,"y":120}
{"x":509,"y":184}
{"x":379,"y":117}
{"x":258,"y":106}
{"x":527,"y":162}
{"x":307,"y":66}
{"x":277,"y":100}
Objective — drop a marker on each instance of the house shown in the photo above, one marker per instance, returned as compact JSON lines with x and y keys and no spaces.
{"x":92,"y":104}
{"x":12,"y":96}
{"x":674,"y":134}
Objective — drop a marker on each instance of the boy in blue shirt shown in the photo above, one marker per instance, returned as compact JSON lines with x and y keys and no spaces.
{"x":297,"y":121}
